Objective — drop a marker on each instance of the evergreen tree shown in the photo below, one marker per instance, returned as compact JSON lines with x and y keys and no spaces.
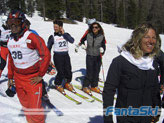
{"x":30,"y":7}
{"x":125,"y":13}
{"x":93,"y":9}
{"x":16,"y":4}
{"x":40,"y":5}
{"x":142,"y":11}
{"x":109,"y":14}
{"x":52,"y":9}
{"x":121,"y":15}
{"x":132,"y":14}
{"x":74,"y":9}
{"x":155,"y":16}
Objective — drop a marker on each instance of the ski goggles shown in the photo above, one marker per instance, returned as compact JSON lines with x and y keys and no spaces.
{"x":14,"y":21}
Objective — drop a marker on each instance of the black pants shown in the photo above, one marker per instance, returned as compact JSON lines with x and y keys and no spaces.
{"x":63,"y":67}
{"x":93,"y":64}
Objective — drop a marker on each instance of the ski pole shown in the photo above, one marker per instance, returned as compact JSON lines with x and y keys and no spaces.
{"x":102,"y":67}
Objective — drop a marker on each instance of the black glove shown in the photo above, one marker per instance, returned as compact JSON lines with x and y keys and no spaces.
{"x":11,"y":91}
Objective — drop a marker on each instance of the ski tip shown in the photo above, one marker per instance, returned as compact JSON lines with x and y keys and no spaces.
{"x":78,"y":103}
{"x":92,"y":101}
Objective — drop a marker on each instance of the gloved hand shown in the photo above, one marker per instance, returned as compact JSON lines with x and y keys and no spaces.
{"x":101,"y":50}
{"x":76,"y":48}
{"x":11,"y":91}
{"x":83,"y":47}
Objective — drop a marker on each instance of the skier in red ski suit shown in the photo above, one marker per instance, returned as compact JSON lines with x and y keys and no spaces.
{"x":28,"y":62}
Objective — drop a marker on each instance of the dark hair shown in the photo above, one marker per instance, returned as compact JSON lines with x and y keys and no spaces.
{"x":27,"y":22}
{"x":58,"y":22}
{"x":91,"y":28}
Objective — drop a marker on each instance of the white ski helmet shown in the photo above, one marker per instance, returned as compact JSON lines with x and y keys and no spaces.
{"x":91,"y":21}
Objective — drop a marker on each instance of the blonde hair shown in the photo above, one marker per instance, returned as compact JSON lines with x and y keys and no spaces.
{"x":133,"y":45}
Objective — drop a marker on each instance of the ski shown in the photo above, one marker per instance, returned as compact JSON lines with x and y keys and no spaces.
{"x":69,"y":97}
{"x":72,"y":99}
{"x":95,"y":98}
{"x":101,"y":86}
{"x":101,"y":81}
{"x":82,"y":96}
{"x":51,"y":106}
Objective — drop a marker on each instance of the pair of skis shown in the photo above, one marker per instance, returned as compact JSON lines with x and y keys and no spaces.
{"x":82,"y":96}
{"x":78,"y":94}
{"x":60,"y":113}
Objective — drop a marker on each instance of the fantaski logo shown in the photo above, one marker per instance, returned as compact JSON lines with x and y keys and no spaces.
{"x":130,"y":111}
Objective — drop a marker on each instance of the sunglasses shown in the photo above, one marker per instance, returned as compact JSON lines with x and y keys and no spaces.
{"x":14,"y":21}
{"x":96,"y":27}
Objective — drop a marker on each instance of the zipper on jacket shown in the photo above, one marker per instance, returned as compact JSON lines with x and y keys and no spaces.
{"x":93,"y":41}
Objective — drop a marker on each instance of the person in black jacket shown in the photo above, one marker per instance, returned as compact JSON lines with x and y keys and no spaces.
{"x":133,"y":75}
{"x":59,"y":40}
{"x":160,"y":61}
{"x":95,"y":49}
